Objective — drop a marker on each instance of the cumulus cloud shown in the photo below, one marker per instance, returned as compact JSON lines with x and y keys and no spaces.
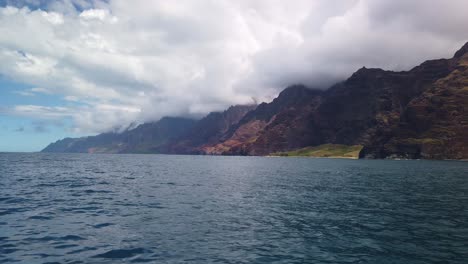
{"x":117,"y":62}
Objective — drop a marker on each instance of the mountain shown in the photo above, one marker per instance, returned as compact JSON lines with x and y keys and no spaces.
{"x":146,"y":138}
{"x":420,"y":113}
{"x":168,"y":135}
{"x":280,"y":125}
{"x":363,"y":110}
{"x":434,"y":124}
{"x":207,"y":131}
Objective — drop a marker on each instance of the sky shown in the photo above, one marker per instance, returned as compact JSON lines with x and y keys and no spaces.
{"x":73,"y":68}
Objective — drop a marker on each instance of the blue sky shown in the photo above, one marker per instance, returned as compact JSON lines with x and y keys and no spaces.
{"x":22,"y":133}
{"x":72,"y":68}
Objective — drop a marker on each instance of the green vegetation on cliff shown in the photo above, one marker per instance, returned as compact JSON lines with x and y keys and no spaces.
{"x":324,"y":151}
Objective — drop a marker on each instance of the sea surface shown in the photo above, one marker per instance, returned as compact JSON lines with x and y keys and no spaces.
{"x":77,"y":208}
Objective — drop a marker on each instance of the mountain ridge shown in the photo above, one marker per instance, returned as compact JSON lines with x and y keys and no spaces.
{"x":420,"y":113}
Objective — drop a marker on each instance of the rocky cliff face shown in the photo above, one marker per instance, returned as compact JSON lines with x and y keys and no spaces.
{"x":282,"y":124}
{"x":421,"y":113}
{"x":207,"y":131}
{"x":434,"y":124}
{"x":367,"y":109}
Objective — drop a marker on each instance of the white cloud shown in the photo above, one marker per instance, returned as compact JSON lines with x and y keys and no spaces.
{"x":86,"y":118}
{"x":102,"y":15}
{"x":24,"y":93}
{"x":40,"y":90}
{"x":53,"y":18}
{"x":33,"y":91}
{"x":42,"y":111}
{"x":123,"y":61}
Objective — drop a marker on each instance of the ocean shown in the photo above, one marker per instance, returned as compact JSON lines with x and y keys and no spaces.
{"x":79,"y":208}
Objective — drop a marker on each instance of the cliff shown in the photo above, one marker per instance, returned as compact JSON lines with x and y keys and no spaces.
{"x":419,"y":113}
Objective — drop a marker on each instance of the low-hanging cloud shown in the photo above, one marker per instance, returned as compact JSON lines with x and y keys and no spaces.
{"x":117,"y":62}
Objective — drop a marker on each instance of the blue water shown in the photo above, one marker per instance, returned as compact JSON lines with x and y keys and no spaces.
{"x":77,"y":208}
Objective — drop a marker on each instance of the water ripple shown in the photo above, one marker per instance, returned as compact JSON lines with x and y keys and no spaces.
{"x":122,"y":253}
{"x":77,"y":208}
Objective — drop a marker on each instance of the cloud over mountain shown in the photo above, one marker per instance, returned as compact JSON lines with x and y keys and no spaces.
{"x":115,"y":62}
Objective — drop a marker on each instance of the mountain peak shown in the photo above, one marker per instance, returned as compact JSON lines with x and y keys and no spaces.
{"x":461,"y":51}
{"x":298,"y":90}
{"x":363,"y":72}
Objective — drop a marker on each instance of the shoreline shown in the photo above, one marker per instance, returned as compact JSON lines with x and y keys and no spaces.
{"x":266,"y":156}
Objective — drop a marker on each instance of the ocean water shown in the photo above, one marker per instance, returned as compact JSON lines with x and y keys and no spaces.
{"x":73,"y":208}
